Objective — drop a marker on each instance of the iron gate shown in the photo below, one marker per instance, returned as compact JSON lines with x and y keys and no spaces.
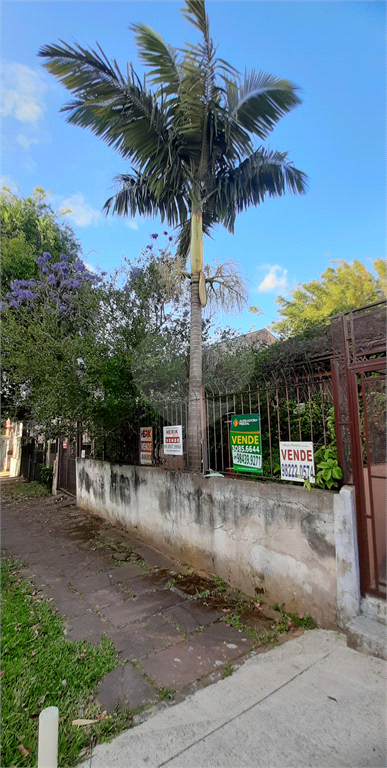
{"x":359,"y":374}
{"x":67,"y":467}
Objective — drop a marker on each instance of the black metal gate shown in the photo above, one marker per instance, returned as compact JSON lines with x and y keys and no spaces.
{"x":32,"y":460}
{"x":67,"y":467}
{"x":359,"y":373}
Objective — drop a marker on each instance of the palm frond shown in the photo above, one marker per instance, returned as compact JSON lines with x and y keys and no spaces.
{"x":119,"y":110}
{"x":260,"y":101}
{"x":195,"y":13}
{"x":136,"y":196}
{"x":264,"y":173}
{"x":162,"y":57}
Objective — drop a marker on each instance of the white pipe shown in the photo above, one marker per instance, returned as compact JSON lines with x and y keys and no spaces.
{"x":48,"y":738}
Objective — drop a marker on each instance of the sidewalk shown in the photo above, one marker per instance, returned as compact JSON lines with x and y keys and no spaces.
{"x":169,"y":633}
{"x":312,"y":703}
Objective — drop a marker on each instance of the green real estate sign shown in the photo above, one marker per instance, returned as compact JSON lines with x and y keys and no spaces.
{"x":245,"y":440}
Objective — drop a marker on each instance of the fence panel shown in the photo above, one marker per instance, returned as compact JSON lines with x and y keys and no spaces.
{"x":289,"y":410}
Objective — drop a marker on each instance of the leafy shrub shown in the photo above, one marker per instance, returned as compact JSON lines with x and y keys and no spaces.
{"x":45,"y":476}
{"x":327,"y":465}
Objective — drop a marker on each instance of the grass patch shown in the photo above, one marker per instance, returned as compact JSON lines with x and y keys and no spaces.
{"x":41,"y":668}
{"x":228,"y":671}
{"x":165,"y":693}
{"x":287,"y":619}
{"x":233,"y":619}
{"x":20,"y":489}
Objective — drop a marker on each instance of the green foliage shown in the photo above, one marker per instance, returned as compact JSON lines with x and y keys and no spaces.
{"x":347,"y":286}
{"x":41,"y":668}
{"x":29,"y":226}
{"x":20,"y":489}
{"x":45,"y":476}
{"x":165,"y":693}
{"x":327,"y":466}
{"x":285,"y":617}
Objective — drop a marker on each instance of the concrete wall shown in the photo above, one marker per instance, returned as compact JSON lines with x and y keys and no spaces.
{"x":259,"y":537}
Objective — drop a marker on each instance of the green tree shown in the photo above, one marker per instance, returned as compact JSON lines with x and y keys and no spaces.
{"x":29,"y":227}
{"x":190,"y":138}
{"x":346,"y":286}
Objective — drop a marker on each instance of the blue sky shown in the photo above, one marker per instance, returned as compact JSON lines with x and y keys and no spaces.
{"x":334,"y":51}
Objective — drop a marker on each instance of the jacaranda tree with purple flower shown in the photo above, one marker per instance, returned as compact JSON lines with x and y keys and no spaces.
{"x":49,"y":323}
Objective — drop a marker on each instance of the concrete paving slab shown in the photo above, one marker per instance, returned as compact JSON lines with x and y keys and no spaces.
{"x":125,"y":573}
{"x":87,"y":584}
{"x":147,"y":582}
{"x":153,"y":558}
{"x":204,"y":615}
{"x":197,"y":656}
{"x":135,"y":642}
{"x":182,"y":618}
{"x":125,"y":688}
{"x":103,"y":598}
{"x":274,"y":711}
{"x":140,"y":608}
{"x":70,"y":606}
{"x":89,"y":627}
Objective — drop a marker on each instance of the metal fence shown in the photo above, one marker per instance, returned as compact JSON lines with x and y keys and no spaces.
{"x":300,"y":409}
{"x":296,"y":408}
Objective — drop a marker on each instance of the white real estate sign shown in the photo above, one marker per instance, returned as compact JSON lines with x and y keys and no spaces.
{"x":173,"y":441}
{"x":146,"y":445}
{"x":297,"y":462}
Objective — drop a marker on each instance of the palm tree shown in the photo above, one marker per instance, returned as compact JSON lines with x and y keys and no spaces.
{"x":189,"y":136}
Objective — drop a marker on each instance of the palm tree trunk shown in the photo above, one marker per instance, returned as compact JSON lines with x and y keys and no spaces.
{"x":195,"y":409}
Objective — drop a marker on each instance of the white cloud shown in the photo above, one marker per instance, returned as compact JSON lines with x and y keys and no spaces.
{"x":23,"y":93}
{"x":24,"y":141}
{"x":80,"y":212}
{"x":132,"y":224}
{"x":276,"y":278}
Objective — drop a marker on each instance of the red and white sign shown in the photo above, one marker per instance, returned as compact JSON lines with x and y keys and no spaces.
{"x":146,"y":445}
{"x":173,"y":441}
{"x":65,"y":444}
{"x":297,"y":462}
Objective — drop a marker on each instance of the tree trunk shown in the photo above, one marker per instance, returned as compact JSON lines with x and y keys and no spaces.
{"x":195,"y":409}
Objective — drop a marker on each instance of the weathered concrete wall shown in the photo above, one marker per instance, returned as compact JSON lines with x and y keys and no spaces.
{"x":267,"y":537}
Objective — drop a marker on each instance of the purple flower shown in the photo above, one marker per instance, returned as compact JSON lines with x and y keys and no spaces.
{"x":45,"y":271}
{"x":165,"y":233}
{"x":170,"y":239}
{"x":51,"y":279}
{"x":13,"y":303}
{"x":2,"y":306}
{"x":135,"y":273}
{"x":154,"y":236}
{"x":41,"y":260}
{"x":47,"y":255}
{"x":62,"y":308}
